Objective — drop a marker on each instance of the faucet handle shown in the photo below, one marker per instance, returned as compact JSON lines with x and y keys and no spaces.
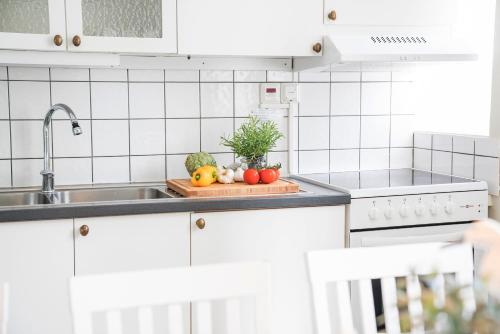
{"x":47,"y":181}
{"x":47,"y":172}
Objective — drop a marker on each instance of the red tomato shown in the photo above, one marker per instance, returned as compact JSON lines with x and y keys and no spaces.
{"x":278,"y":173}
{"x":267,"y":175}
{"x":251,"y":176}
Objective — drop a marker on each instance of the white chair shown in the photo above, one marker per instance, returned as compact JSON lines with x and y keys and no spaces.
{"x":359,"y":266}
{"x":200,"y":285}
{"x":4,"y":298}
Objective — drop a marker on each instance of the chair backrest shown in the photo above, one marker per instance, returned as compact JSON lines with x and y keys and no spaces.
{"x":4,"y":299}
{"x":359,"y":266}
{"x":199,"y":285}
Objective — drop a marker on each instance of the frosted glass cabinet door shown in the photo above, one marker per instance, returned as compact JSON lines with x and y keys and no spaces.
{"x":147,"y":26}
{"x":32,"y":25}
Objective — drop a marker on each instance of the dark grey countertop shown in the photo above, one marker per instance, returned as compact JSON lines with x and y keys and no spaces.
{"x":310,"y":196}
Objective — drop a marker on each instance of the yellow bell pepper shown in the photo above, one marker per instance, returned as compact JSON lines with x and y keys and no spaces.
{"x":204,"y":176}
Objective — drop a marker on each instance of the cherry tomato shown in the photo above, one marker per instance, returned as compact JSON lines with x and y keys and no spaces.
{"x":251,"y":176}
{"x":267,"y":175}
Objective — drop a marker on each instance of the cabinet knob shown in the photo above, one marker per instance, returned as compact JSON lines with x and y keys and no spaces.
{"x":84,"y":230}
{"x":317,"y":47}
{"x":332,"y":15}
{"x":77,"y":40}
{"x":200,"y":222}
{"x":58,"y":40}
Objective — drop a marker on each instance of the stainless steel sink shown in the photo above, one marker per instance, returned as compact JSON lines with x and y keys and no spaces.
{"x":82,"y":196}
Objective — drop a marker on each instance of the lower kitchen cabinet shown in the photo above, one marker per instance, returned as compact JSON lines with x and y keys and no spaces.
{"x":280,"y":237}
{"x":36,"y":260}
{"x":128,"y":243}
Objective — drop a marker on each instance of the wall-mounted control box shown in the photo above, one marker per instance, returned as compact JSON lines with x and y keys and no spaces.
{"x":278,"y":93}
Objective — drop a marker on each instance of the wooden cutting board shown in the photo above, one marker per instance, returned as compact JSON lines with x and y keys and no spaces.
{"x":184,"y":187}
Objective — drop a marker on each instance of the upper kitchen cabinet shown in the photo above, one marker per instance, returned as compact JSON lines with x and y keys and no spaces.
{"x":250,"y":28}
{"x":126,"y":26}
{"x":32,"y":25}
{"x":389,"y":12}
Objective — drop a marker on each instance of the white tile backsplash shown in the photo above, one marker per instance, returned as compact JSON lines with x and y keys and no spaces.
{"x":28,"y":73}
{"x":486,"y":169}
{"x":442,"y":142}
{"x":138,"y":125}
{"x":422,"y":140}
{"x":487,"y":146}
{"x":463,"y":144}
{"x":403,"y":98}
{"x":422,"y":159}
{"x":441,"y":162}
{"x":463,"y":165}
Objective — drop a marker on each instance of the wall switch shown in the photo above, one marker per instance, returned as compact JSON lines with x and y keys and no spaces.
{"x":289,"y":93}
{"x":270,"y":93}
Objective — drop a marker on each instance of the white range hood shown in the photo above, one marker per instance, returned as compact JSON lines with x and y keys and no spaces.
{"x":385,"y":50}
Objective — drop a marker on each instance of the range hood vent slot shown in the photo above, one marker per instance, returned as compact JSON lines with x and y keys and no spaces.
{"x":398,"y":39}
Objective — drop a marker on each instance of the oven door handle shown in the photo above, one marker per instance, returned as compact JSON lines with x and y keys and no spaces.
{"x":387,"y":241}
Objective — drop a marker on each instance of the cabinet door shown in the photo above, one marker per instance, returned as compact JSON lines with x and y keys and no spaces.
{"x":280,"y":237}
{"x":36,"y":260}
{"x":250,"y":28}
{"x":32,"y":25}
{"x":128,"y":243}
{"x":122,"y":26}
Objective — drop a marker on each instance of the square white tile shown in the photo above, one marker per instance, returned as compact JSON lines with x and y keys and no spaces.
{"x":246,"y":98}
{"x":376,"y":76}
{"x":314,"y":133}
{"x":3,"y":73}
{"x":65,"y":144}
{"x":344,"y":160}
{"x":105,"y":74}
{"x":403,"y":98}
{"x":274,"y":158}
{"x":75,"y":95}
{"x":146,"y":100}
{"x":182,"y":100}
{"x":216,"y":100}
{"x":463,"y":144}
{"x":375,"y":131}
{"x":183,"y":136}
{"x":463,"y":165}
{"x":314,"y":99}
{"x":487,"y":146}
{"x":73,"y":171}
{"x":405,"y":75}
{"x":111,"y":169}
{"x":5,"y":176}
{"x":28,"y":73}
{"x":345,"y":132}
{"x":147,"y":136}
{"x":279,"y":76}
{"x":402,"y":127}
{"x":224,"y":159}
{"x":212,"y":129}
{"x":147,"y":168}
{"x":314,"y":77}
{"x":109,"y":100}
{"x":29,"y":99}
{"x":346,"y":76}
{"x":250,"y":76}
{"x":182,"y":76}
{"x":282,"y":125}
{"x":376,"y":98}
{"x":401,"y":158}
{"x":4,"y":100}
{"x":441,"y":162}
{"x":27,"y":140}
{"x":175,"y":167}
{"x":371,"y":159}
{"x":442,"y":142}
{"x":146,"y":75}
{"x":26,"y":172}
{"x":314,"y":162}
{"x":487,"y":169}
{"x":110,"y":137}
{"x":346,"y":99}
{"x":422,"y":159}
{"x":69,"y":74}
{"x":216,"y":76}
{"x":422,"y":140}
{"x":4,"y":140}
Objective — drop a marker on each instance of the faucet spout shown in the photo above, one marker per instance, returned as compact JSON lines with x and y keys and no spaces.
{"x":47,"y":172}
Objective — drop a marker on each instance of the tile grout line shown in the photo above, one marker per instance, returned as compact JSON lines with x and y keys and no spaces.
{"x":360,"y":118}
{"x":51,"y":123}
{"x":91,"y":130}
{"x":128,"y":120}
{"x":329,"y":124}
{"x":10,"y":130}
{"x":390,"y":123}
{"x":165,"y":121}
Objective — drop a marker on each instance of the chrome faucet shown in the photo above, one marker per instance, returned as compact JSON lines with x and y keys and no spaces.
{"x":47,"y":172}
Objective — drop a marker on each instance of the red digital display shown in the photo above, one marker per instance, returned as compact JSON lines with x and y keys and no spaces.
{"x":270,"y":90}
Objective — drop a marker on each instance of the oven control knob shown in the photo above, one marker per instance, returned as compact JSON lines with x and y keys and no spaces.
{"x":449,"y":207}
{"x":419,"y":210}
{"x":373,"y":213}
{"x":403,"y":211}
{"x":388,"y":213}
{"x":434,"y":209}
